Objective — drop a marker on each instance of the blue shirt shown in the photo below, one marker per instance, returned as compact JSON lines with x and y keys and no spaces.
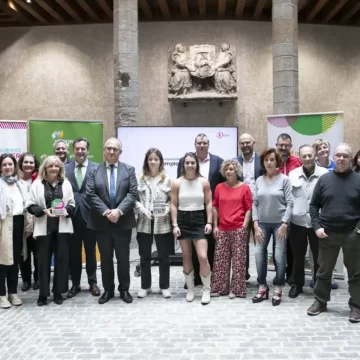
{"x":331,"y":167}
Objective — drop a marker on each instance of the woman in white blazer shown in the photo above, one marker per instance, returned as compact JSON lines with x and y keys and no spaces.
{"x":52,"y":231}
{"x":12,"y":205}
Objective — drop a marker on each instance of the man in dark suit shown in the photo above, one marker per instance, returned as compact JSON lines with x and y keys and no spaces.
{"x":111,"y":190}
{"x":250,"y":162}
{"x":210,"y":169}
{"x":77,"y":173}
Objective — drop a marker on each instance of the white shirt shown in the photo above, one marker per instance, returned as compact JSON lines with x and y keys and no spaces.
{"x":153,"y":181}
{"x":302,"y":190}
{"x":108,"y":170}
{"x":83,"y":168}
{"x":205,"y":167}
{"x":249,"y":173}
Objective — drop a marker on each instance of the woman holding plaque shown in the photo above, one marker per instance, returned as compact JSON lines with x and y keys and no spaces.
{"x":12,"y":206}
{"x":51,"y":201}
{"x":153,"y":206}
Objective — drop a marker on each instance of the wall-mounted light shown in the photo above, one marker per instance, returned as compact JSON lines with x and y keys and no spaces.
{"x":28,"y":1}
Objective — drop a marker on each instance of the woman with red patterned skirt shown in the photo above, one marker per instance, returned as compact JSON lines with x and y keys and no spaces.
{"x":232,"y":212}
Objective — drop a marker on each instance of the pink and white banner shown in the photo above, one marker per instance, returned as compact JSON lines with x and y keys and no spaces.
{"x":13,"y":137}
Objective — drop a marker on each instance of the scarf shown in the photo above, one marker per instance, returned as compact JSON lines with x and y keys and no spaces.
{"x":9,"y":179}
{"x":5,"y":201}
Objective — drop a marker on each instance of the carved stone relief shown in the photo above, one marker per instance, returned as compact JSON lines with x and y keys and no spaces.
{"x":202,"y":73}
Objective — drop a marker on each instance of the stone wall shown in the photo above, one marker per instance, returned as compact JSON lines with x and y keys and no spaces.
{"x":67,"y":72}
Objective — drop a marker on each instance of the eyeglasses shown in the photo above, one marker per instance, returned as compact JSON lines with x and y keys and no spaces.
{"x":109,"y":149}
{"x":344,"y":156}
{"x":202,"y":143}
{"x":284,"y":146}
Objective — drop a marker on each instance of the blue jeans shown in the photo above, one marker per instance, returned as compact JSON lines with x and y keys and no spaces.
{"x":261,"y":254}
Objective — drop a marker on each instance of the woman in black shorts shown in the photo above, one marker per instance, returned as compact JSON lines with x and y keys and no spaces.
{"x":190,"y":195}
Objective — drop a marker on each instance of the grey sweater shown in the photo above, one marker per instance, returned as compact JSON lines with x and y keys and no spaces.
{"x":273,"y":201}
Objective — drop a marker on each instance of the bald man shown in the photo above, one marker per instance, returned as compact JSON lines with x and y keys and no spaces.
{"x":111,"y":190}
{"x":250,"y":161}
{"x":335,"y":216}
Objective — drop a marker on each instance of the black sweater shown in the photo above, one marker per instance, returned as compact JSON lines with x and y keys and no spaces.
{"x":337,"y":195}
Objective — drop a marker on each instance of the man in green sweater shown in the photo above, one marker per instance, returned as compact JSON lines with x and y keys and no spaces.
{"x":335,"y":216}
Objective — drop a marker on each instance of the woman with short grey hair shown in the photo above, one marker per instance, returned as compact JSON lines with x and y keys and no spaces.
{"x":231,"y":216}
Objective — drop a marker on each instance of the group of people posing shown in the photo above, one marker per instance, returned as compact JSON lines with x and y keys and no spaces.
{"x":211,"y":209}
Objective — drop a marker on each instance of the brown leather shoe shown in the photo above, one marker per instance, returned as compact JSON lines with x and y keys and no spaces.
{"x":94,"y":289}
{"x":75,"y":289}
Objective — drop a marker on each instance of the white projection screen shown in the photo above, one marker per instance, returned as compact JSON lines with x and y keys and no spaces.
{"x":173,"y":142}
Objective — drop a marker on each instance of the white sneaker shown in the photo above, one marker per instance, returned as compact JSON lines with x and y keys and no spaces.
{"x":4,"y":303}
{"x":143,"y":293}
{"x":15,"y":300}
{"x":232,"y":296}
{"x":166,"y":293}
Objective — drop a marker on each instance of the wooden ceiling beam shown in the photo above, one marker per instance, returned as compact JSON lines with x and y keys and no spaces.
{"x":87,"y":8}
{"x":70,"y":10}
{"x":301,"y":4}
{"x":105,"y":7}
{"x":221,"y":8}
{"x":259,"y":8}
{"x":50,"y":10}
{"x":240,"y":5}
{"x":164,"y":9}
{"x":334,"y":10}
{"x":184,"y":8}
{"x":317,"y":8}
{"x":33,"y":10}
{"x":9,"y":8}
{"x":202,"y":7}
{"x":144,"y":6}
{"x":350,"y":13}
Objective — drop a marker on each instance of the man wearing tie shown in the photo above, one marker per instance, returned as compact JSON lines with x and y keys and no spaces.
{"x":250,"y":162}
{"x":111,"y":190}
{"x":77,"y":173}
{"x":210,"y":169}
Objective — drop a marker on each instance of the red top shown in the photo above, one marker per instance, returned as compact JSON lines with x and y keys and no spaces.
{"x":291,"y":163}
{"x":232,"y":204}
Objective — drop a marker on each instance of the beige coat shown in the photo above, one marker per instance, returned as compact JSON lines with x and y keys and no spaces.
{"x":6,"y":235}
{"x":36,"y":197}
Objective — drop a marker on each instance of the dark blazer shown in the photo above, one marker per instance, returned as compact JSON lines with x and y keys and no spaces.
{"x":97,"y":191}
{"x":215,"y":177}
{"x":81,"y":202}
{"x":258,"y":170}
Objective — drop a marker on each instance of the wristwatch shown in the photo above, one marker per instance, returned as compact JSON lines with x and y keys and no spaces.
{"x":357,"y":230}
{"x":175,"y":225}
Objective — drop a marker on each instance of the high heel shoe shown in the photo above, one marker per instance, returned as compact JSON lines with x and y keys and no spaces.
{"x":274,"y":301}
{"x":261,"y":295}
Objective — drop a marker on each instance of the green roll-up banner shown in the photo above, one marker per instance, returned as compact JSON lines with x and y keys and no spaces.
{"x":43,"y":134}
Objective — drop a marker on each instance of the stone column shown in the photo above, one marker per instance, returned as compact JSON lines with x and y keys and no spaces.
{"x":126,"y":51}
{"x":285,"y":56}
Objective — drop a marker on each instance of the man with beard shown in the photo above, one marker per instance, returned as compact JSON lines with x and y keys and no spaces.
{"x":250,"y":162}
{"x":290,"y":162}
{"x":61,"y":150}
{"x":210,"y":169}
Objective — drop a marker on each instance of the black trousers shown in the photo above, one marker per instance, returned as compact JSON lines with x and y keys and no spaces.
{"x":163,"y":246}
{"x":82,"y":234}
{"x":329,"y":249}
{"x":108,"y":241}
{"x":45,"y":246}
{"x":25,"y":266}
{"x":10,"y":272}
{"x":299,"y":237}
